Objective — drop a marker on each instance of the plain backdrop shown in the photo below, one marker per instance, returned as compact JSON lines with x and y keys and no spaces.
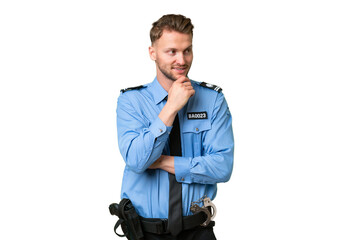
{"x":289,"y":71}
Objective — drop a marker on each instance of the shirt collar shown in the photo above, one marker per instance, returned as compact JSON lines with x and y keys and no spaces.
{"x":158,"y":92}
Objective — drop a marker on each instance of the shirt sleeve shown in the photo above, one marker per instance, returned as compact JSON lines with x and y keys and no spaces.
{"x":216,"y":163}
{"x":140,"y":142}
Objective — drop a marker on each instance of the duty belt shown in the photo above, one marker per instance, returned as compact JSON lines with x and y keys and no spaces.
{"x":159,"y":226}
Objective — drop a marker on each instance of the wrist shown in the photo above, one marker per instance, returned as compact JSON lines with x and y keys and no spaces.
{"x":168,"y":114}
{"x":170,"y":108}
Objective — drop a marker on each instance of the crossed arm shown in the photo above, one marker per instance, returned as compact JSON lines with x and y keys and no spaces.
{"x":178,"y":96}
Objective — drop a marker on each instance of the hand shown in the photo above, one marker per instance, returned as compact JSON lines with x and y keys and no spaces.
{"x":179,"y":93}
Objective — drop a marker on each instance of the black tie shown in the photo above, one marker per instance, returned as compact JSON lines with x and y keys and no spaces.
{"x":175,"y":199}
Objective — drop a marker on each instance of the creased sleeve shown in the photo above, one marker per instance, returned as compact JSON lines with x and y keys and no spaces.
{"x":140,"y":142}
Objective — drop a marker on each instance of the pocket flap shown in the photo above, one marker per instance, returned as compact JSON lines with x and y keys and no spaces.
{"x":196,"y":126}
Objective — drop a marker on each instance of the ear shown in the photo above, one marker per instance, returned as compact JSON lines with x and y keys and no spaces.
{"x":152,"y":53}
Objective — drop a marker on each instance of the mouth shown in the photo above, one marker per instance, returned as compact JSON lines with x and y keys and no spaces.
{"x":180,"y":70}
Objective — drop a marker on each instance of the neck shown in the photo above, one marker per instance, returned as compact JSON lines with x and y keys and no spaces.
{"x":164,"y":81}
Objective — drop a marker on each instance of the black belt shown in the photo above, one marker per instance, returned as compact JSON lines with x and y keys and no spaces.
{"x":159,"y":226}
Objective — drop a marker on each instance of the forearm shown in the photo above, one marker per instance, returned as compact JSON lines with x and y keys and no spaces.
{"x":168,"y":114}
{"x":165,"y":163}
{"x":210,"y":169}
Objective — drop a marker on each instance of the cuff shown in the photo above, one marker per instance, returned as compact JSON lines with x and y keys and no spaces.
{"x":182,"y":169}
{"x":160,"y":130}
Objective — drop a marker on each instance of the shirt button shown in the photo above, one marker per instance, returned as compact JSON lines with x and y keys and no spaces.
{"x":160,"y":130}
{"x":182,"y":179}
{"x":196,"y":129}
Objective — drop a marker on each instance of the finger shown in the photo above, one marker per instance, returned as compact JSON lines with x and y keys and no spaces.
{"x":187,"y":84}
{"x":182,"y":79}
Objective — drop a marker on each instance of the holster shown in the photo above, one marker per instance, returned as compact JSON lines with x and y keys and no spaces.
{"x":128,"y":219}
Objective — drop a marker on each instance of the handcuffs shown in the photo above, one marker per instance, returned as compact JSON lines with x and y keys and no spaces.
{"x":195,"y":208}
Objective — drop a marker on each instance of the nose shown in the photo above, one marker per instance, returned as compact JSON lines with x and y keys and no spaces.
{"x":180,"y":59}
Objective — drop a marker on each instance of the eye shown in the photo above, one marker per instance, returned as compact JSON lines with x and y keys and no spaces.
{"x":187,"y":51}
{"x":172,"y":52}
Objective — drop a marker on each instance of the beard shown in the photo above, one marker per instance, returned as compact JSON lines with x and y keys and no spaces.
{"x":169,"y":74}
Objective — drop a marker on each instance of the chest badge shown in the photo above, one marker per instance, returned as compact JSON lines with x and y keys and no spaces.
{"x":197,"y":115}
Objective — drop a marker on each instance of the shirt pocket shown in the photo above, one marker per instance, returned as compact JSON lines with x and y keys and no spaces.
{"x":193,"y":132}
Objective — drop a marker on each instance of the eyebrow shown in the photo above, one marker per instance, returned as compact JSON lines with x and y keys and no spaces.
{"x":189,"y":47}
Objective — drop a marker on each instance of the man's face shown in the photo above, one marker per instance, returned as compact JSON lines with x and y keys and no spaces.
{"x":173,"y":54}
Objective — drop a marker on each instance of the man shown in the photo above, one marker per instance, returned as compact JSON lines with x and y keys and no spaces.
{"x":176,"y":138}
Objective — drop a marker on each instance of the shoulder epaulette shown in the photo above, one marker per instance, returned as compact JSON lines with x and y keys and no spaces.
{"x":211,"y":86}
{"x":131,"y":88}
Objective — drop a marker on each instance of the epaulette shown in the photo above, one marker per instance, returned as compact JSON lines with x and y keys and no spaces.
{"x":131,"y":88}
{"x":211,"y":86}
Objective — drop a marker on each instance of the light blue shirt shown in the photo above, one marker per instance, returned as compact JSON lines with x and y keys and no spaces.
{"x":207,"y":147}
